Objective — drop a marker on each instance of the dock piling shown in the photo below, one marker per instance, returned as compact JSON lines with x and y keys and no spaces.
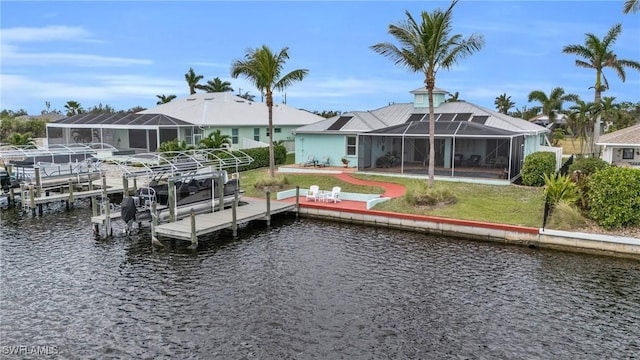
{"x":194,"y":236}
{"x":107,"y":218}
{"x":220,"y":193}
{"x":32,"y":200}
{"x":234,"y":215}
{"x":36,"y":169}
{"x":70,"y":201}
{"x":125,"y":186}
{"x":268,"y":208}
{"x":297,"y":201}
{"x":172,"y":201}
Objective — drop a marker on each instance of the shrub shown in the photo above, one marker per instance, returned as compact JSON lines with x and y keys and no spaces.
{"x":266,"y":180}
{"x":422,"y":195}
{"x":560,"y":188}
{"x":536,"y":165}
{"x":566,"y":216}
{"x":588,"y":166}
{"x":614,"y":197}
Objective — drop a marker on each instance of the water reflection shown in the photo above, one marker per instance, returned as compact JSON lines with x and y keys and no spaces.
{"x":308,"y":289}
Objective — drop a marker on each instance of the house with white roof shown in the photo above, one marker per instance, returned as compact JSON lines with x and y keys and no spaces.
{"x":621,"y":147}
{"x":191,"y":119}
{"x":470,"y":140}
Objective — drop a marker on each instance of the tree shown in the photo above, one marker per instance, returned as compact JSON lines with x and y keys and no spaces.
{"x":135,"y":109}
{"x":631,"y":6}
{"x":192,"y":80}
{"x":100,"y":109}
{"x":163,"y":99}
{"x":427,"y":47}
{"x":73,"y":108}
{"x":263,"y":68}
{"x":552,"y":104}
{"x":217,"y":85}
{"x":580,"y":121}
{"x":526,"y":113}
{"x":23,"y":140}
{"x":453,"y":98}
{"x":598,"y":55}
{"x":215,"y":140}
{"x":247,"y":96}
{"x":503,"y":103}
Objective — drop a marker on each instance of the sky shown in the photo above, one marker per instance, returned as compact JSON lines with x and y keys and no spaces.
{"x":124,"y":53}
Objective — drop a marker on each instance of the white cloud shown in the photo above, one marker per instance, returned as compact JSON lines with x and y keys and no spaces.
{"x":43,"y":34}
{"x":211,"y":64}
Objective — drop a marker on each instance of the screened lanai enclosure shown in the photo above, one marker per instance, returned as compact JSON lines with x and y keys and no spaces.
{"x":462,"y":149}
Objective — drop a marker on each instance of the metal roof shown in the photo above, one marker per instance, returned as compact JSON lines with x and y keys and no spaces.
{"x":122,"y":119}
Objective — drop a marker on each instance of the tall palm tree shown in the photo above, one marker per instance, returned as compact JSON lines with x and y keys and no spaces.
{"x":503,"y":103}
{"x":217,"y":85}
{"x":192,"y":80}
{"x":598,"y":55}
{"x":263,"y":68}
{"x":427,"y":47}
{"x":552,"y":104}
{"x":73,"y":108}
{"x":215,"y":140}
{"x":163,"y":99}
{"x":631,"y":6}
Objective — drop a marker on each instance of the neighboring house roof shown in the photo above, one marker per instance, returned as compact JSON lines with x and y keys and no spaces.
{"x":226,"y":109}
{"x":559,"y":119}
{"x":122,"y":119}
{"x":396,"y":114}
{"x":624,"y":137}
{"x":423,"y":90}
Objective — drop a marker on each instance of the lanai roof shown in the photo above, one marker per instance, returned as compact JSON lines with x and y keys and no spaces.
{"x":122,"y":119}
{"x":444,"y":129}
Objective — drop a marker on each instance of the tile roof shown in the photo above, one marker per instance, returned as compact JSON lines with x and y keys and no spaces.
{"x":627,"y":136}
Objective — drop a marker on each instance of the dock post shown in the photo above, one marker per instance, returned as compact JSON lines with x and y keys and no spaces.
{"x":12,"y":197}
{"x":172,"y":201}
{"x":36,"y":169}
{"x":70,"y":202}
{"x":268,"y":208}
{"x":234,"y":216}
{"x":220,"y":193}
{"x":107,"y":217}
{"x":125,"y":186}
{"x":194,"y":236}
{"x":135,"y":184}
{"x":104,"y":185}
{"x":32,"y":200}
{"x":297,"y":201}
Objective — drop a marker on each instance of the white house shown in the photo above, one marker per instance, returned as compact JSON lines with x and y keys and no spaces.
{"x":622,"y":147}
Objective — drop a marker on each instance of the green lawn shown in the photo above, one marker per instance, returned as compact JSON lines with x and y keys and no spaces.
{"x":505,"y":204}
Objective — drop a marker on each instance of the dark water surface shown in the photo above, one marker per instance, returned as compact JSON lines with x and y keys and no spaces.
{"x":307,"y":289}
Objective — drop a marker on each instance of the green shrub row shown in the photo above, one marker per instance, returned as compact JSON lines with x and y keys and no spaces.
{"x":536,"y":166}
{"x":614,"y":197}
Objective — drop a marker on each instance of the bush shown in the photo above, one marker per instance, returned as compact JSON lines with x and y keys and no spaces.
{"x":261,"y":157}
{"x":560,"y":188}
{"x":266,"y":181}
{"x":588,"y":166}
{"x":614,"y":197}
{"x":422,"y":195}
{"x":566,"y":216}
{"x":536,"y":165}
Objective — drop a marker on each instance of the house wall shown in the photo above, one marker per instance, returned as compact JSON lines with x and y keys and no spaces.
{"x":422,"y":100}
{"x":319,"y":146}
{"x":244,"y":132}
{"x":614,"y":155}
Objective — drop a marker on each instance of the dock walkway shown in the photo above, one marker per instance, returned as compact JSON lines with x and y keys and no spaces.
{"x":252,"y":209}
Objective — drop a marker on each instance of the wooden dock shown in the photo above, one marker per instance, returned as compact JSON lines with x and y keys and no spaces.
{"x":253,"y":209}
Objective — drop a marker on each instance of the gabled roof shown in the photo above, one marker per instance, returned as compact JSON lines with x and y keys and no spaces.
{"x":226,"y":109}
{"x":396,"y":114}
{"x":628,"y":136}
{"x":121,"y":119}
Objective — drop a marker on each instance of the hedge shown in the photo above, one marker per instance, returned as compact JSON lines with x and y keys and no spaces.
{"x":536,"y":165}
{"x":614,"y":197}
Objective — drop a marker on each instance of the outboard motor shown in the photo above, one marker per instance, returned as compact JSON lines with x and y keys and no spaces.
{"x":128,"y":211}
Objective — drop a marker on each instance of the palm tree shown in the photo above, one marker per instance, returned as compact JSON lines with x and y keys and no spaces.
{"x":163,"y":99}
{"x":263,"y":68}
{"x":552,"y":104}
{"x":73,"y":108}
{"x":631,"y":6}
{"x":192,"y":80}
{"x":217,"y":85}
{"x":453,"y":98}
{"x":22,"y":140}
{"x":503,"y":103}
{"x":427,"y":47}
{"x":580,"y":121}
{"x":597,"y":55}
{"x":247,"y":96}
{"x":526,"y":113}
{"x":215,"y":140}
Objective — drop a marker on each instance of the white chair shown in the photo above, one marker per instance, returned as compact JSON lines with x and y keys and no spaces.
{"x":313,"y":193}
{"x":334,"y":195}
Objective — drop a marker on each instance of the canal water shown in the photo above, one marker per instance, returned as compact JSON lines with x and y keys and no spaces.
{"x":306,"y":289}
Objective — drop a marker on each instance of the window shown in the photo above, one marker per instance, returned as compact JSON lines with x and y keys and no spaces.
{"x":627,"y":154}
{"x":256,"y":134}
{"x":197,"y":135}
{"x":234,"y":136}
{"x":188,"y":135}
{"x":351,"y":145}
{"x":277,"y":130}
